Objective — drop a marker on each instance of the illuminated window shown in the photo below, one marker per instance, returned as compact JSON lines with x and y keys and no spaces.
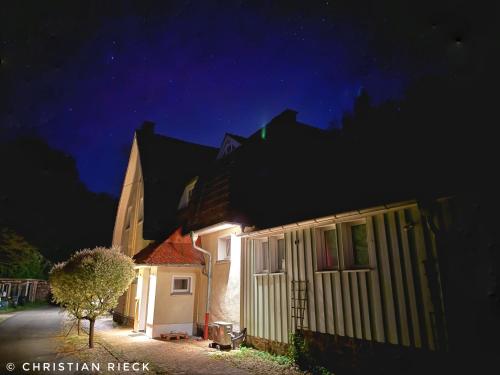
{"x":187,"y":194}
{"x":181,"y":284}
{"x":327,"y":252}
{"x":342,"y":246}
{"x":270,"y":255}
{"x":224,"y":248}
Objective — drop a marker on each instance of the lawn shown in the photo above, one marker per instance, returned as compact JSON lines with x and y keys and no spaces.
{"x":258,"y":362}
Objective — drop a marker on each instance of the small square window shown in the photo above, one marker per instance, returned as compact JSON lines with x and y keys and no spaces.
{"x":181,"y":285}
{"x":224,"y":248}
{"x":269,"y":255}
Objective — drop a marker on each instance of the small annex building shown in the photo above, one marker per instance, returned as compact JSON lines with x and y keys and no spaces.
{"x":166,"y":293}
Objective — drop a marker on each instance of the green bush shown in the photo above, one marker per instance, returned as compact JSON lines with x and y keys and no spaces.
{"x":299,"y":352}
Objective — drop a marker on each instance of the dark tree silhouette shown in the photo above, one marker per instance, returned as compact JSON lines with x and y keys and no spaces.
{"x":43,"y":199}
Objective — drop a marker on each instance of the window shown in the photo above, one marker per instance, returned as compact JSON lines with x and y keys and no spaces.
{"x":358,"y":244}
{"x":181,"y":285}
{"x":187,"y":194}
{"x":327,"y":253}
{"x":270,"y":255}
{"x":128,"y":218}
{"x":342,"y":246}
{"x":262,"y":256}
{"x":141,"y":210}
{"x":224,"y":248}
{"x":281,"y":253}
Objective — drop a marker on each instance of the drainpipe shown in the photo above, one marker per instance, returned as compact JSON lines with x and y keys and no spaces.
{"x":194,"y":237}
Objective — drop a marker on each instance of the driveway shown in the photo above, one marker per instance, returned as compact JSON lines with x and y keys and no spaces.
{"x":182,"y":357}
{"x":39,"y":335}
{"x":30,"y":336}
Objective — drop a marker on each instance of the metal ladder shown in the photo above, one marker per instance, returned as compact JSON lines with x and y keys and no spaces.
{"x":299,"y":301}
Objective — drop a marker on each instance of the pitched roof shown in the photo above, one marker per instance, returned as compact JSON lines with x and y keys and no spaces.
{"x":237,"y":138}
{"x":175,"y":250}
{"x":249,"y":185}
{"x":168,"y":164}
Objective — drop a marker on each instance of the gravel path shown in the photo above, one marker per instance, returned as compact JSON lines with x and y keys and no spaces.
{"x":119,"y":345}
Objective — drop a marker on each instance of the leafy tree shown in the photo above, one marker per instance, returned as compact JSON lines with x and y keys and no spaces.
{"x":90,"y":283}
{"x":63,"y":285}
{"x":20,"y":259}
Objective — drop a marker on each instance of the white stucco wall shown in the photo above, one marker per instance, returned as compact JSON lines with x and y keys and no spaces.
{"x":225,"y":295}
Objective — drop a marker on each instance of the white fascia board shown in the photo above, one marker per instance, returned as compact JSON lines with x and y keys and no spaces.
{"x":216,"y":227}
{"x":328,"y":219}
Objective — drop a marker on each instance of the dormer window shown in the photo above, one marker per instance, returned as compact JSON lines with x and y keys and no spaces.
{"x":187,"y":194}
{"x":229,"y":144}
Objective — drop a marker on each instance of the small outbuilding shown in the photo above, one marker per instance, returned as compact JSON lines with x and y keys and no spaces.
{"x":167,"y":286}
{"x":23,"y":290}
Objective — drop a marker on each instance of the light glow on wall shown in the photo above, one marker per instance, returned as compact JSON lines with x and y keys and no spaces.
{"x":151,"y":305}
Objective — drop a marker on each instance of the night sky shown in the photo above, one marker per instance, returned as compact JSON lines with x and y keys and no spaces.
{"x":85,"y":77}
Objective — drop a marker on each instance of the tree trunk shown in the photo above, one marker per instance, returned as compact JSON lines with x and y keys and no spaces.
{"x":78,"y":326}
{"x":91,"y":333}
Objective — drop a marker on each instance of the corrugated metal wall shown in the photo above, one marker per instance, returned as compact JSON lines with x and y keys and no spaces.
{"x":390,"y":303}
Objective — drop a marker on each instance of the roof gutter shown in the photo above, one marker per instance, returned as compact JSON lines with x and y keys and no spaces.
{"x":330,"y":218}
{"x":194,"y":237}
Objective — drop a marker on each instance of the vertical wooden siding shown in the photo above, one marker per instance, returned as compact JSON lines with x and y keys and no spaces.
{"x":390,"y":303}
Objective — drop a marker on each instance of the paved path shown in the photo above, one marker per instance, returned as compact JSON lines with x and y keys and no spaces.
{"x":177,"y":357}
{"x":29,"y":336}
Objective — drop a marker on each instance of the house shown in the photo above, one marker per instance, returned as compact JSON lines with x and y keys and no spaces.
{"x":171,"y":184}
{"x":359,"y":267}
{"x":291,"y":229}
{"x":159,"y":167}
{"x":222,"y":205}
{"x":363,"y":274}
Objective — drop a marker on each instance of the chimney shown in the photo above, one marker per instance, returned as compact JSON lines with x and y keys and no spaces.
{"x":148,"y":127}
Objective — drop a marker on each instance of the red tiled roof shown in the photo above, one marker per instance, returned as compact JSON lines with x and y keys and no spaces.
{"x":176,"y":249}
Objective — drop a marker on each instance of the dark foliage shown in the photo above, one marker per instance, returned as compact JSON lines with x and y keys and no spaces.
{"x":43,"y":199}
{"x":19,"y":259}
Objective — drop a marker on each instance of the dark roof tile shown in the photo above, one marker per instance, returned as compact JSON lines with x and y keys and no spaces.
{"x":168,"y":164}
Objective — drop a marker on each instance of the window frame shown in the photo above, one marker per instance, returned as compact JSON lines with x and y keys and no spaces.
{"x":128,"y":218}
{"x":348,"y":248}
{"x":187,"y":194}
{"x":259,"y":256}
{"x":320,"y":245}
{"x":174,"y":291}
{"x":219,"y":241}
{"x":282,"y":268}
{"x":141,"y":211}
{"x":273,"y":266}
{"x":345,"y":247}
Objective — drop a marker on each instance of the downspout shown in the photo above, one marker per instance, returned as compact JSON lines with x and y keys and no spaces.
{"x":194,"y":237}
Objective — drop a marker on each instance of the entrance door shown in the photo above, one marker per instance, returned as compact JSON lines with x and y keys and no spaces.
{"x":143,"y":293}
